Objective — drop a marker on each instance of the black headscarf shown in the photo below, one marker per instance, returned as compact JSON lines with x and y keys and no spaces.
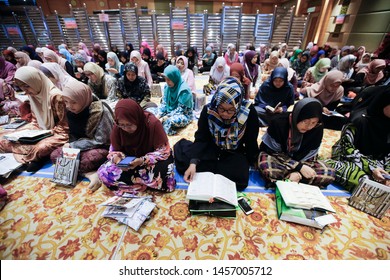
{"x":373,"y":128}
{"x":135,"y":90}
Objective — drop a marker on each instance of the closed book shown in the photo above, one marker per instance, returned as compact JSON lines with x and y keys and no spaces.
{"x":216,"y":209}
{"x":313,"y":217}
{"x":28,"y":136}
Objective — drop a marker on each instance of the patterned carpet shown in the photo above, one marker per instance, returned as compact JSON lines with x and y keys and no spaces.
{"x":45,"y":221}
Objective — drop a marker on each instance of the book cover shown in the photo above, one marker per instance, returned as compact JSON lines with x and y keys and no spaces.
{"x":216,"y":209}
{"x":66,"y":168}
{"x":313,"y":218}
{"x":207,"y":186}
{"x":299,"y":195}
{"x":28,"y":136}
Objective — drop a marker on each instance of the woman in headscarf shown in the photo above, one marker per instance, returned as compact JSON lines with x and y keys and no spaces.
{"x":129,"y":49}
{"x":364,"y":61}
{"x":123,"y":57}
{"x":9,"y":56}
{"x":147,"y":56}
{"x":7,"y":71}
{"x":231,"y":56}
{"x":179,"y":48}
{"x":48,"y":110}
{"x":145,"y":45}
{"x":271,"y":63}
{"x":219,"y":71}
{"x":95,"y":52}
{"x":177,"y":103}
{"x":346,"y":65}
{"x":363,"y":150}
{"x":291,"y":77}
{"x":113,"y":66}
{"x":372,"y":74}
{"x":57,"y":75}
{"x":102,"y":59}
{"x":296,"y":55}
{"x":80,"y":61}
{"x":160,"y":49}
{"x":31,"y":53}
{"x":329,"y":92}
{"x":103,"y":85}
{"x":208,"y":60}
{"x":275,"y":95}
{"x":252,"y":71}
{"x":90,"y":124}
{"x":318,"y":56}
{"x":51,"y":56}
{"x":36,"y":64}
{"x":22,"y":59}
{"x":9,"y":104}
{"x":186,"y":74}
{"x":289,"y":148}
{"x":83,"y":47}
{"x":158,"y":67}
{"x":300,"y":65}
{"x":143,"y":67}
{"x":192,"y":58}
{"x":283,"y":51}
{"x":263,"y":54}
{"x":226,"y":139}
{"x":132,"y":86}
{"x":66,"y":54}
{"x":315,"y":73}
{"x":139,"y":134}
{"x":343,"y":52}
{"x":237,"y":71}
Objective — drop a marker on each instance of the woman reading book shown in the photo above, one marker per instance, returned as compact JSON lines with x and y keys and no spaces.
{"x":290,"y":146}
{"x":140,"y":134}
{"x":226,"y":139}
{"x":48,"y":110}
{"x":90,"y":124}
{"x":363,"y":150}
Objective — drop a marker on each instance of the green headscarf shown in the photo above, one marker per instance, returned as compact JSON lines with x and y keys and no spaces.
{"x":315,"y":70}
{"x":180,"y":93}
{"x":295,"y":55}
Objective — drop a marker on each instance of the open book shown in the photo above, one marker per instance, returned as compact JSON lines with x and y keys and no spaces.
{"x":334,"y":114}
{"x":272,"y":109}
{"x":313,"y":218}
{"x":303,"y":196}
{"x":28,"y":136}
{"x":8,"y":164}
{"x":207,"y":185}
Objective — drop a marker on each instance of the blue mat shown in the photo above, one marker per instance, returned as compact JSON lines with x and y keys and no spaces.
{"x":256,"y":183}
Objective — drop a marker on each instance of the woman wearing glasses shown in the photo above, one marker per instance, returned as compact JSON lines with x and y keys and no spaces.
{"x":140,"y":134}
{"x":226,"y":139}
{"x":290,"y":146}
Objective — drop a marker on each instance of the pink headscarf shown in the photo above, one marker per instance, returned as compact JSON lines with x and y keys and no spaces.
{"x":145,"y":45}
{"x":371,"y":78}
{"x":84,"y":47}
{"x":319,"y":90}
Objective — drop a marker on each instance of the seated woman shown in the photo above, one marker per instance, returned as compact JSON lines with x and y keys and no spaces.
{"x":103,"y":85}
{"x":329,"y":92}
{"x":369,"y":76}
{"x":51,"y":56}
{"x":208,"y":60}
{"x":9,"y":56}
{"x":147,"y":57}
{"x":363,"y":150}
{"x":57,"y":75}
{"x":143,"y":67}
{"x":271,"y":63}
{"x":289,"y":148}
{"x":158,"y":67}
{"x":219,"y":71}
{"x":231,"y":56}
{"x":186,"y":74}
{"x":48,"y":111}
{"x":22,"y":59}
{"x":90,"y":125}
{"x":140,"y":134}
{"x":275,"y":90}
{"x":7,"y":71}
{"x":80,"y":61}
{"x":175,"y":110}
{"x":316,"y":73}
{"x":226,"y":139}
{"x":9,"y":104}
{"x":134,"y":87}
{"x":237,"y":71}
{"x":252,"y":72}
{"x":291,"y":76}
{"x":300,"y":65}
{"x":192,"y":58}
{"x":113,"y":66}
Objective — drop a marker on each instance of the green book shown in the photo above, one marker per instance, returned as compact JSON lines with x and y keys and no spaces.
{"x":313,"y":218}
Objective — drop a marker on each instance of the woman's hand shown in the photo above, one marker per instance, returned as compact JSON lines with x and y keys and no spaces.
{"x":326,"y":110}
{"x":307,"y":172}
{"x":135,"y":163}
{"x":66,"y":145}
{"x":112,"y":70}
{"x":114,"y":157}
{"x":278,"y":110}
{"x":295,"y":177}
{"x":377,"y":174}
{"x":190,"y":173}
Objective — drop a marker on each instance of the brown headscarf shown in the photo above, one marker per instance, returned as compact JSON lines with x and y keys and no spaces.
{"x":148,"y":137}
{"x":239,"y":68}
{"x":371,"y":78}
{"x":319,"y":90}
{"x":54,"y":58}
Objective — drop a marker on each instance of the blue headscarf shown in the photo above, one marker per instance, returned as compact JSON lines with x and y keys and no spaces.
{"x":180,"y":93}
{"x":67,"y":54}
{"x":227,"y":133}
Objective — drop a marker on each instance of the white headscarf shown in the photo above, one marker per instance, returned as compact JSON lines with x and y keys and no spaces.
{"x":59,"y":73}
{"x":117,"y":65}
{"x":215,"y":74}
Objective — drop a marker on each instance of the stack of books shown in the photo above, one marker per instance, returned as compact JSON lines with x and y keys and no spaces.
{"x":303,"y":204}
{"x":130,"y":210}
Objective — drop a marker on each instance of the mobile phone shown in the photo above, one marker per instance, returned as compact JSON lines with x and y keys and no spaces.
{"x":244,"y":205}
{"x":386,"y":176}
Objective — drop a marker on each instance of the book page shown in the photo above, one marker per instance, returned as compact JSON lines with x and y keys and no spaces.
{"x":225,"y":189}
{"x":8,"y":163}
{"x":303,"y":196}
{"x":201,"y":188}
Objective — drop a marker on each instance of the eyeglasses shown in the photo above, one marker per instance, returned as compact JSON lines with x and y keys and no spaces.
{"x":124,"y":125}
{"x":222,"y":110}
{"x":311,"y":125}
